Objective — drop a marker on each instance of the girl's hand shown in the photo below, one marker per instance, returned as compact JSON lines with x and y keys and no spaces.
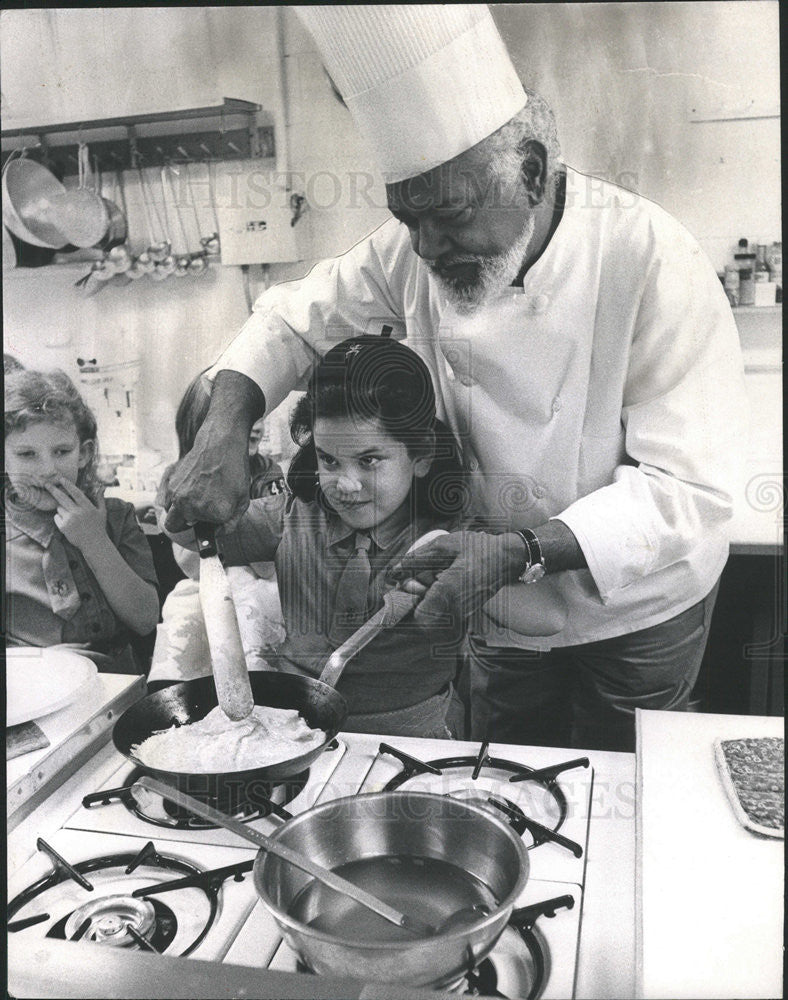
{"x":78,"y":518}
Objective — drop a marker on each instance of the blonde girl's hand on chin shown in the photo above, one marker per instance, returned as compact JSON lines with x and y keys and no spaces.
{"x":82,"y":522}
{"x":84,"y":525}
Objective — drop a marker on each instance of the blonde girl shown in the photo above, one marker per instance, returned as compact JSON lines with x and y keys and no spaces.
{"x":78,"y":567}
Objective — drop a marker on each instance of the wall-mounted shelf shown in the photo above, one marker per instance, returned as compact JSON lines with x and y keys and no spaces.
{"x":230,"y":130}
{"x":698,"y":116}
{"x":774,"y":310}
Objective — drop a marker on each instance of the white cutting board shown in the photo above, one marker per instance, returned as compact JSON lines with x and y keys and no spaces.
{"x":710,"y":892}
{"x":41,"y":680}
{"x":74,"y":733}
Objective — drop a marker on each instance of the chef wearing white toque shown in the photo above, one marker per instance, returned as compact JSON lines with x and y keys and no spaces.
{"x":582,"y":350}
{"x":402,"y":57}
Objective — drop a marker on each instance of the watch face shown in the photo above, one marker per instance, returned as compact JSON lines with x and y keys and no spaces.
{"x":533,"y":574}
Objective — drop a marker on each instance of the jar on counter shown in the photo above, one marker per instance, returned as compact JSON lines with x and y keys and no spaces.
{"x":731,"y":283}
{"x":746,"y":287}
{"x":761,"y":273}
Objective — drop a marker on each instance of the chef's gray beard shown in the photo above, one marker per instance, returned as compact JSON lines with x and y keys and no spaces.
{"x":494,"y":275}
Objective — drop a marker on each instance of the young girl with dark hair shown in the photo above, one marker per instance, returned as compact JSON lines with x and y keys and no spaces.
{"x":375,"y":471}
{"x":78,"y":568}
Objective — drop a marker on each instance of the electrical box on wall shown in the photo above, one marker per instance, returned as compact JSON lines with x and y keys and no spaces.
{"x":258,"y":216}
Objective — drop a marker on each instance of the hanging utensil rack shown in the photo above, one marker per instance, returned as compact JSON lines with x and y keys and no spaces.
{"x":231,"y":130}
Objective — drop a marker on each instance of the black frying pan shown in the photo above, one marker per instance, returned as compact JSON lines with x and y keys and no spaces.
{"x":319,"y":703}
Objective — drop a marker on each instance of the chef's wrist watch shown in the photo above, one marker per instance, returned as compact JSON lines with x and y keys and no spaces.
{"x":535,"y":568}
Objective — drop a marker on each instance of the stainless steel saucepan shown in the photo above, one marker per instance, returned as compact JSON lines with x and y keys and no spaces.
{"x":396,"y":887}
{"x":429,"y":855}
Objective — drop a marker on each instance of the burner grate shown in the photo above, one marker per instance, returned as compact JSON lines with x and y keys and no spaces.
{"x":532,"y":800}
{"x":248,"y":802}
{"x":113,"y":906}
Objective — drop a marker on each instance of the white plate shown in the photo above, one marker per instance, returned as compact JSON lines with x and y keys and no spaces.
{"x":40,"y":681}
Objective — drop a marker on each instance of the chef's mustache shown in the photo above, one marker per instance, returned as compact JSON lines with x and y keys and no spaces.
{"x":443,"y":263}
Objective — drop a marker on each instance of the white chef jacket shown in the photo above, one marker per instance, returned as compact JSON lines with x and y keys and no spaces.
{"x":608,"y":392}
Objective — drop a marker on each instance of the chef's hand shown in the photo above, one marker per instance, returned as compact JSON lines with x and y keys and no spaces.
{"x":460,"y":571}
{"x":211,"y":482}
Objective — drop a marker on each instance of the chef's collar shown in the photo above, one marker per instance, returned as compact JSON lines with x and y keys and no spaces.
{"x":558,"y":212}
{"x":382,"y":535}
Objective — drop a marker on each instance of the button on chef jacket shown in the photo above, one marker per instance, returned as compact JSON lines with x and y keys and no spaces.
{"x":607,"y":392}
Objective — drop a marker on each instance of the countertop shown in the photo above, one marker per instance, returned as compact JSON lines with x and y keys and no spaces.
{"x":711,"y":892}
{"x":75,"y":733}
{"x":758,"y":523}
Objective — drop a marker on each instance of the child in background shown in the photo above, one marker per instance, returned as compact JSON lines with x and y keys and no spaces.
{"x":181,"y":650}
{"x":79,"y":570}
{"x":266,"y":475}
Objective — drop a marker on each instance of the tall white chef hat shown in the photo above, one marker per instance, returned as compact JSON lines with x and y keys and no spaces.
{"x":424,"y":82}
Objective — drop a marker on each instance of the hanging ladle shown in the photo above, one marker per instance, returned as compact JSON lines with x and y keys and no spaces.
{"x":211,"y":243}
{"x":182,"y":260}
{"x":158,"y":250}
{"x":199,"y":262}
{"x":329,"y":878}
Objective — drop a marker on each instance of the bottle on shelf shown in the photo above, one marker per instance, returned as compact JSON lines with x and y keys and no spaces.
{"x":761,"y":272}
{"x":745,"y":262}
{"x":731,"y":283}
{"x":774,"y":260}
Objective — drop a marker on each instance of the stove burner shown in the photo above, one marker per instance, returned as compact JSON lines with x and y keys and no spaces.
{"x":250,"y":801}
{"x":489,"y":781}
{"x":518,"y":966}
{"x":121,"y":922}
{"x":121,"y":914}
{"x":109,"y":918}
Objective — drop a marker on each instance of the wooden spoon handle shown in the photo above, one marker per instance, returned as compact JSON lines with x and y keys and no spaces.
{"x":228,"y":662}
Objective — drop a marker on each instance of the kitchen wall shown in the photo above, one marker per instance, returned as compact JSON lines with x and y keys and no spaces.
{"x":679,"y":100}
{"x":65,"y":65}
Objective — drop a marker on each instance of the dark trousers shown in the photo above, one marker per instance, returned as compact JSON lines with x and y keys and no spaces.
{"x":585,"y":696}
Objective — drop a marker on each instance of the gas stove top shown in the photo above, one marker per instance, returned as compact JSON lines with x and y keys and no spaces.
{"x":90,"y":887}
{"x":112,"y":808}
{"x":545,"y":797}
{"x":128,"y":850}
